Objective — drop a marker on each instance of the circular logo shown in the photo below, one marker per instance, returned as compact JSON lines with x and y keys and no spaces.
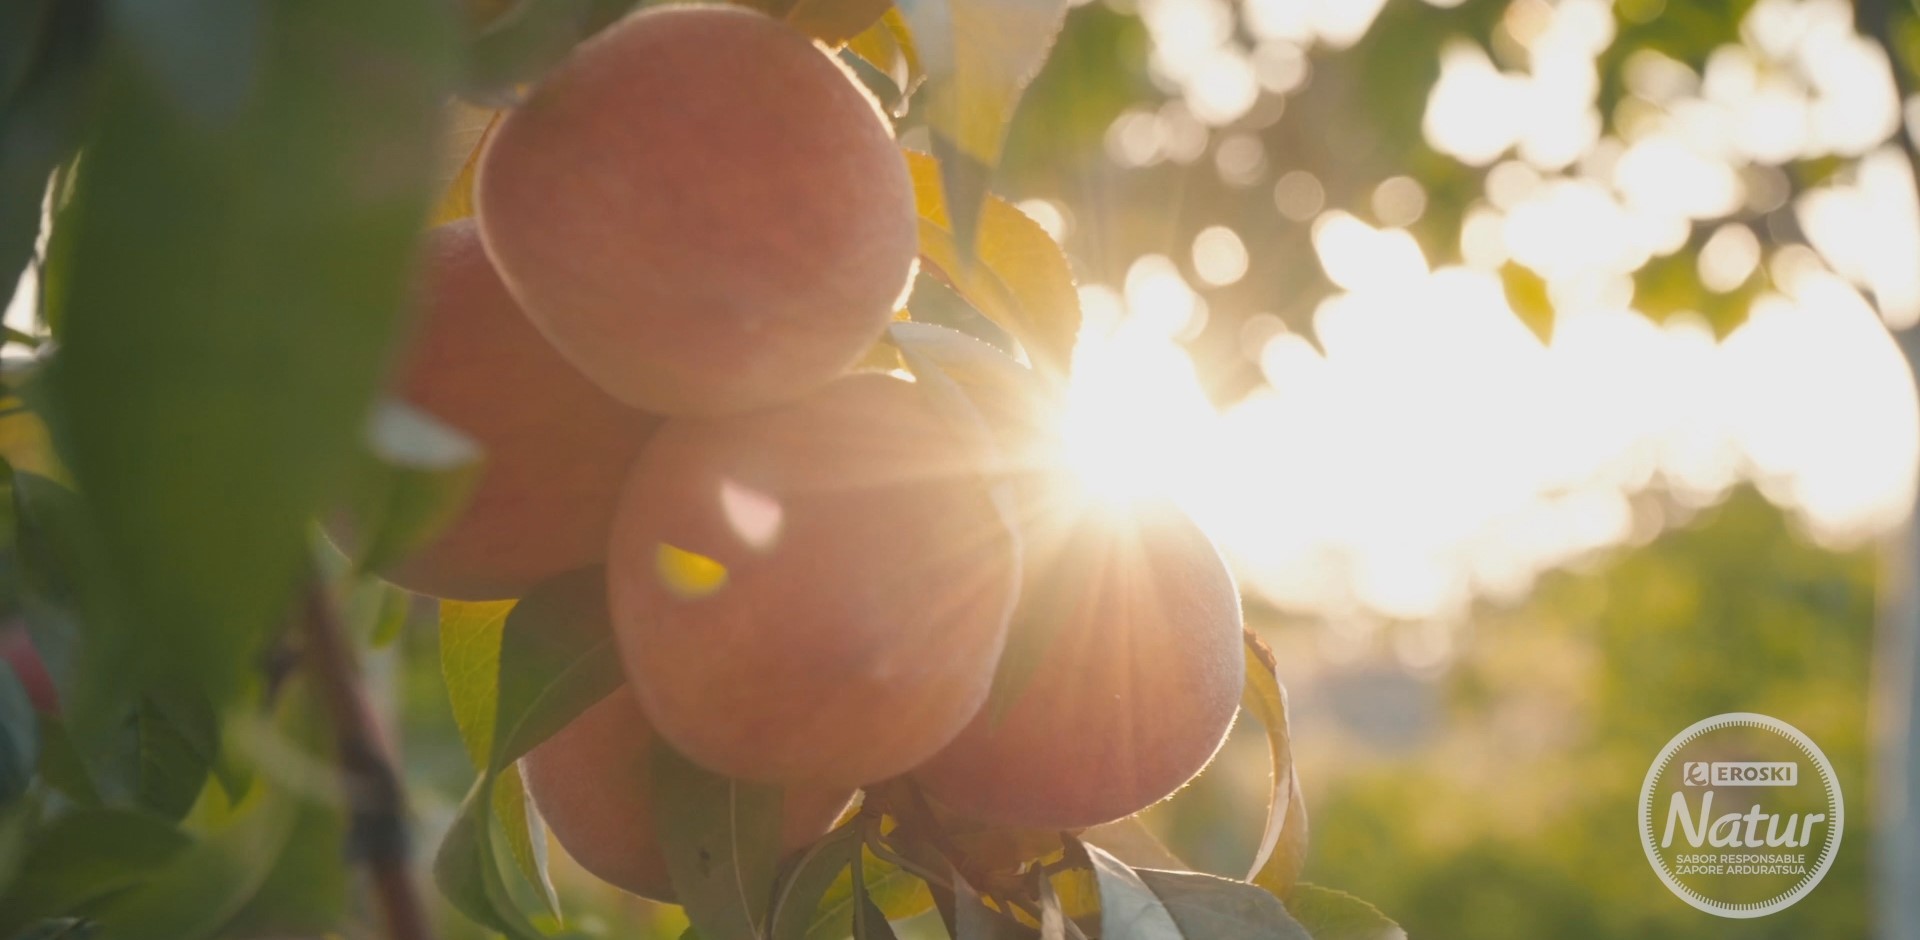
{"x":1741,"y":815}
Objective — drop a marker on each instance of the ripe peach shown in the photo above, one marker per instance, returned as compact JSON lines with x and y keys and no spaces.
{"x":812,"y":594}
{"x":1134,"y":691}
{"x":592,"y":783}
{"x":702,"y":209}
{"x":556,"y":447}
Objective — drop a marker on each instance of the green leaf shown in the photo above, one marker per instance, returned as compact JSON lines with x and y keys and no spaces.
{"x":204,"y":56}
{"x":1206,"y":907}
{"x":516,"y":672}
{"x":1016,"y":276}
{"x":470,"y":666}
{"x":806,"y":879}
{"x":869,"y":923}
{"x":176,"y":741}
{"x":1059,"y":919}
{"x":306,"y":891}
{"x":721,"y":838}
{"x":20,"y":37}
{"x":378,"y":611}
{"x":234,"y":292}
{"x":1328,"y":914}
{"x":1129,"y":910}
{"x":557,"y":657}
{"x":518,"y":46}
{"x":47,"y":53}
{"x":524,"y":833}
{"x":898,"y":893}
{"x":19,"y":736}
{"x":84,"y":855}
{"x":979,"y":56}
{"x":51,"y":537}
{"x":468,"y":874}
{"x":201,"y":889}
{"x":1282,"y":849}
{"x":974,"y":920}
{"x":416,"y":478}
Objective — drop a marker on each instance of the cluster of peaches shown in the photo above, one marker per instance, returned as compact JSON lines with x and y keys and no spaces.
{"x":686,"y":238}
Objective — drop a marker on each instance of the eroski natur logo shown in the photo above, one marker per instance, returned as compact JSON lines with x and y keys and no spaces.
{"x":1741,"y":815}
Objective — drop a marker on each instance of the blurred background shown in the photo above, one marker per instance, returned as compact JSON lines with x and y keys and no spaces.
{"x":1532,"y":362}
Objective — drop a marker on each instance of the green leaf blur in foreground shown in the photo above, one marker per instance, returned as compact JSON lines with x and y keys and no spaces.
{"x":84,"y":855}
{"x":516,"y":673}
{"x":1336,"y":915}
{"x":1283,"y":843}
{"x":979,"y":56}
{"x":721,"y":838}
{"x":416,"y":476}
{"x":1016,"y":275}
{"x":47,"y":52}
{"x":236,"y":284}
{"x":19,"y":736}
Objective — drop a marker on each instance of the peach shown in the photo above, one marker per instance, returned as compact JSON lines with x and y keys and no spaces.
{"x":592,"y":783}
{"x":702,"y":209}
{"x":815,"y":593}
{"x":1135,"y":689}
{"x":556,"y":447}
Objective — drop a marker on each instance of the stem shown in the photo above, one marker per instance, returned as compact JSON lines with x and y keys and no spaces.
{"x":378,"y":834}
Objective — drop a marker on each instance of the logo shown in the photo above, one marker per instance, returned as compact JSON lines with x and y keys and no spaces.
{"x":1741,"y":815}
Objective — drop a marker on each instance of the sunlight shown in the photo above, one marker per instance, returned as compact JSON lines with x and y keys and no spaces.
{"x":1137,"y":424}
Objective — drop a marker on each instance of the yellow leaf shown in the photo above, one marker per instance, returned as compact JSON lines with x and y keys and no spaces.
{"x":468,"y":128}
{"x":979,"y":56}
{"x":833,"y":22}
{"x":1283,"y":844}
{"x":470,"y":666}
{"x":1017,"y":277}
{"x":888,"y":46}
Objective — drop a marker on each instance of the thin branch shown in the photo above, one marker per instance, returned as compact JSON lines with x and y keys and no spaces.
{"x":378,"y":835}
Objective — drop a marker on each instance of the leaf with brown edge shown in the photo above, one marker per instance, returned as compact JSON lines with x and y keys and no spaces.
{"x":1017,"y":277}
{"x":1283,"y":843}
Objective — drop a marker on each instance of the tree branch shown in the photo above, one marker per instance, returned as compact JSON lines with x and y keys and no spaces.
{"x":378,"y":832}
